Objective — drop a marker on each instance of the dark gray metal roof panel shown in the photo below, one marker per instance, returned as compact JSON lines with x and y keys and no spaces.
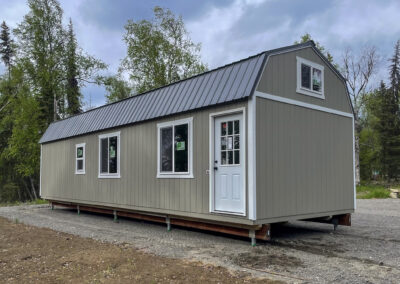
{"x":231,"y":82}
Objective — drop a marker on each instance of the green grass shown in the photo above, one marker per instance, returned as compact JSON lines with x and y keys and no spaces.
{"x":369,"y":191}
{"x":17,"y":203}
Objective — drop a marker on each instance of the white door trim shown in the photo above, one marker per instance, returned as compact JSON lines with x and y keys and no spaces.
{"x":211,"y":157}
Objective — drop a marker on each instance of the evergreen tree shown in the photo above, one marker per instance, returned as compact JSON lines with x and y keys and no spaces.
{"x":394,"y":72}
{"x":6,"y":47}
{"x":72,"y":88}
{"x":386,"y":111}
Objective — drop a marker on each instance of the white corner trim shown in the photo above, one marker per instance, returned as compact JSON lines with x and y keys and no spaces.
{"x":189,"y":174}
{"x":212,"y":116}
{"x":83,"y":171}
{"x":302,"y":104}
{"x":118,"y":173}
{"x":305,"y":91}
{"x":252,"y":177}
{"x":40,"y":175}
{"x":354,"y":166}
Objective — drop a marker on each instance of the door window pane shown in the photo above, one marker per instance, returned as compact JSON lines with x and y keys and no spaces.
{"x":223,"y":128}
{"x":236,"y":127}
{"x":113,"y":167}
{"x":166,"y":149}
{"x":104,"y":155}
{"x":223,"y":158}
{"x":181,"y":148}
{"x":230,"y":127}
{"x":305,"y":76}
{"x":237,"y":142}
{"x":237,"y":157}
{"x":223,"y":143}
{"x":230,"y":157}
{"x":316,"y":80}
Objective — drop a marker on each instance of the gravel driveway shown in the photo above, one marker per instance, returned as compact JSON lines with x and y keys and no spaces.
{"x":369,"y":251}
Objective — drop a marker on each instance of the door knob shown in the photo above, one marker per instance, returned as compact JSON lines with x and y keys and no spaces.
{"x":215,"y":168}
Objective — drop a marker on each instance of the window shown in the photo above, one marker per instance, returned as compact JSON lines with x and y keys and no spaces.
{"x":109,"y":155}
{"x":175,"y":149}
{"x":80,"y":159}
{"x":310,"y":78}
{"x":230,"y":142}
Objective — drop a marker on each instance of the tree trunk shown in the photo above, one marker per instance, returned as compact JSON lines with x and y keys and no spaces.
{"x":357,"y":150}
{"x":33,"y":188}
{"x":27,"y":189}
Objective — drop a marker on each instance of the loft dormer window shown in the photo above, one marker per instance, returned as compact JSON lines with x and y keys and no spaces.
{"x":310,"y":78}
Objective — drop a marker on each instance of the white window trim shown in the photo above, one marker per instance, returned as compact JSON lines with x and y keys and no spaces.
{"x":83,"y":171}
{"x":117,"y":174}
{"x":305,"y":91}
{"x":189,"y":174}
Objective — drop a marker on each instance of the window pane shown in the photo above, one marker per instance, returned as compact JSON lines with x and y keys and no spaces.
{"x":223,"y":158}
{"x":237,"y":142}
{"x":230,"y":143}
{"x":317,"y":80}
{"x":237,"y":157}
{"x":230,"y":128}
{"x":166,"y":149}
{"x":79,"y":152}
{"x":113,"y":155}
{"x":79,"y":165}
{"x":305,"y":76}
{"x":181,"y":148}
{"x":230,"y":157}
{"x":223,"y":128}
{"x":104,"y":155}
{"x":236,"y":127}
{"x":223,"y":143}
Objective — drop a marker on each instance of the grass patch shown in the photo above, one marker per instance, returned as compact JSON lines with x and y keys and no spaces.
{"x":17,"y":203}
{"x":369,"y":191}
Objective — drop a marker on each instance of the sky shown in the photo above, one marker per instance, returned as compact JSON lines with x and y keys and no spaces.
{"x":230,"y":30}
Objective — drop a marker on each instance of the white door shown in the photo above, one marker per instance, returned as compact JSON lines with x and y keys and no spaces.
{"x":229,"y":192}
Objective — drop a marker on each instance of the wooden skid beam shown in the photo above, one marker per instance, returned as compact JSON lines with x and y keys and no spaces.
{"x":343,"y":219}
{"x":262,"y":233}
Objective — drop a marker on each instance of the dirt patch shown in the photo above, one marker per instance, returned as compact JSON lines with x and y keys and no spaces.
{"x":324,"y":249}
{"x":260,"y":259}
{"x":29,"y":254}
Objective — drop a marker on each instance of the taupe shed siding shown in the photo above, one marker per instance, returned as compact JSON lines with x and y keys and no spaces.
{"x":138,"y":188}
{"x":304,"y":161}
{"x":280,"y":79}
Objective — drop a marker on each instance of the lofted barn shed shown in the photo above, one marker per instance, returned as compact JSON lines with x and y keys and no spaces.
{"x":263,"y":140}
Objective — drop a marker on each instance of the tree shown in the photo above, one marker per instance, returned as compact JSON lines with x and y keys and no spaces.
{"x":394,"y":71}
{"x":6,"y":47}
{"x":41,"y":42}
{"x":117,"y":88}
{"x":387,"y":125}
{"x":72,"y":88}
{"x":358,"y":72}
{"x":307,"y":37}
{"x":159,"y":51}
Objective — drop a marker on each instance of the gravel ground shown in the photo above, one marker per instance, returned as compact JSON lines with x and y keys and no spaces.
{"x":366,"y":252}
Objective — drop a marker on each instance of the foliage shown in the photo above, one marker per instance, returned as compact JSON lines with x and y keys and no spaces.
{"x":7,"y":47}
{"x":369,"y":191}
{"x":45,"y":73}
{"x":117,"y":88}
{"x":307,"y":37}
{"x":159,"y":51}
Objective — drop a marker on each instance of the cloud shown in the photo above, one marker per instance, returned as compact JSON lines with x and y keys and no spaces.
{"x":230,"y":30}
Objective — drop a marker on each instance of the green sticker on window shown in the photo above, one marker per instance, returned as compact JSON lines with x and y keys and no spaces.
{"x":112,"y":152}
{"x":180,"y":146}
{"x":80,"y":152}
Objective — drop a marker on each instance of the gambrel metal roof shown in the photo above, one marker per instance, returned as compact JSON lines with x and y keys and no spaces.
{"x":228,"y":83}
